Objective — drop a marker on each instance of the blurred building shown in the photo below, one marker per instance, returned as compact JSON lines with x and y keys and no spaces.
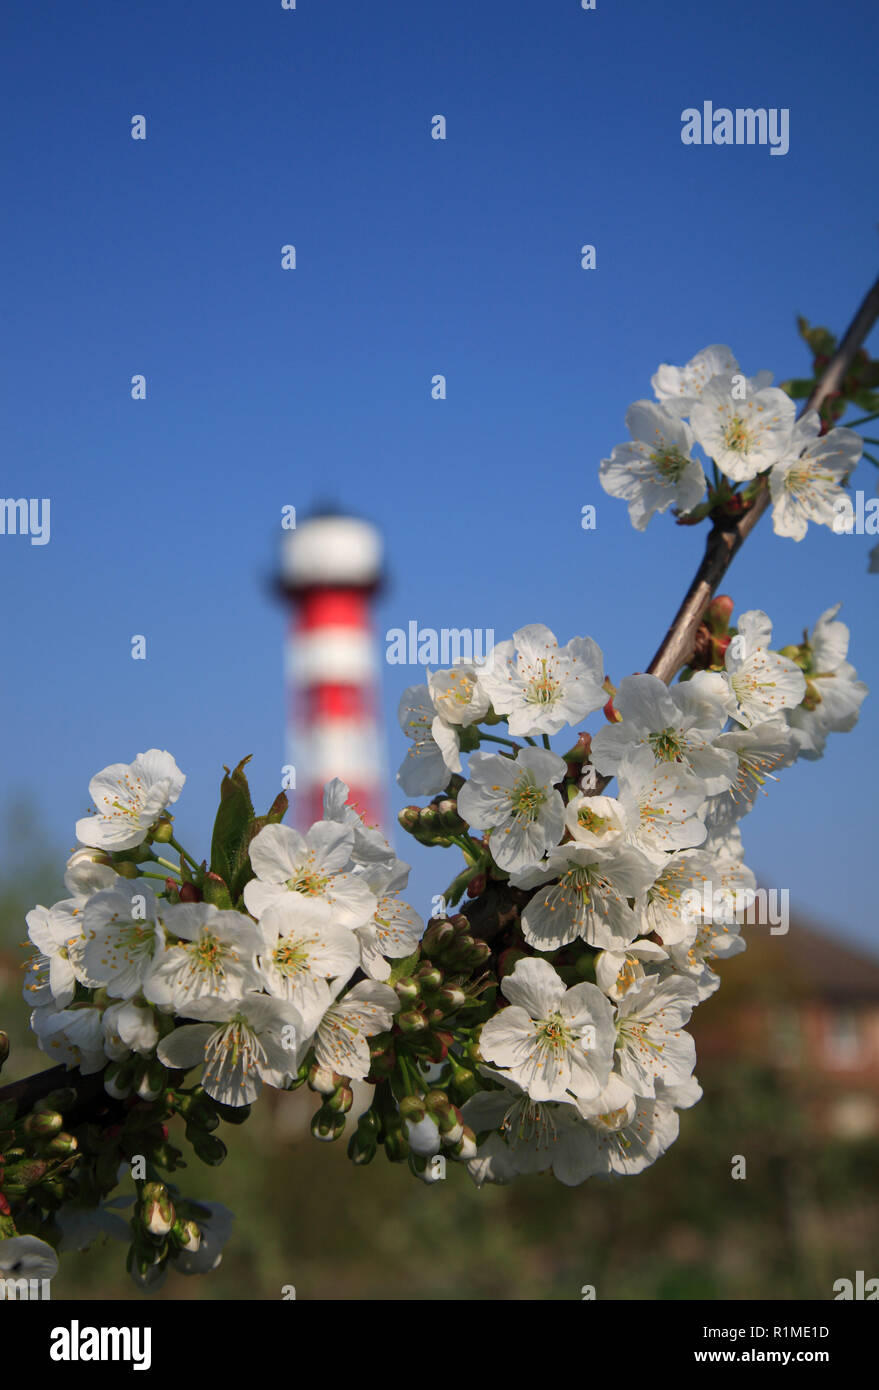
{"x":331,"y":569}
{"x":806,"y":1003}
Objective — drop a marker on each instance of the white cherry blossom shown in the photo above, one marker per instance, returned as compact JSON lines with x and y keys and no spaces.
{"x":516,"y":801}
{"x":302,"y":949}
{"x":395,"y":928}
{"x":315,"y":867}
{"x":758,"y":751}
{"x":239,"y":1043}
{"x":835,"y":694}
{"x":130,"y":798}
{"x":675,"y":724}
{"x":761,"y":681}
{"x":662,"y":803}
{"x":423,"y":771}
{"x":124,"y":937}
{"x":743,"y":437}
{"x":616,"y":972}
{"x":680,"y":388}
{"x":457,"y":695}
{"x":807,"y":483}
{"x":341,"y":1039}
{"x":651,"y":1042}
{"x":551,"y":1040}
{"x":215,"y":956}
{"x":540,"y":686}
{"x":590,"y":898}
{"x":655,"y":469}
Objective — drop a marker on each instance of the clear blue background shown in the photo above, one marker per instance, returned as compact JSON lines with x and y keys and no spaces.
{"x":415,"y":257}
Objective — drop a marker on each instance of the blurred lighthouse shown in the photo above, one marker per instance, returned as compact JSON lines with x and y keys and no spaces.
{"x":331,"y":569}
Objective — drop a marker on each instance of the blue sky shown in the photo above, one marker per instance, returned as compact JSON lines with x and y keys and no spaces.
{"x":414,"y":257}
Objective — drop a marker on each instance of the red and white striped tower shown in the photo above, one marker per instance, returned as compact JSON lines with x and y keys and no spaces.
{"x":331,"y":568}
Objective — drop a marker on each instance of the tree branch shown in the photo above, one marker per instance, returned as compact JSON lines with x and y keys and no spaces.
{"x":726,"y":537}
{"x":503,"y":905}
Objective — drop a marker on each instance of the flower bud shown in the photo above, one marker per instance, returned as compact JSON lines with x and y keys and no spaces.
{"x":452,"y":1133}
{"x":411,"y":1022}
{"x":362,"y":1146}
{"x":428,"y":1170}
{"x":447,"y":811}
{"x":162,"y":831}
{"x":429,"y":976}
{"x":152,"y":1080}
{"x":408,"y":818}
{"x":464,"y":1082}
{"x":423,"y":1136}
{"x":396,"y":1145}
{"x":578,"y":754}
{"x":189,"y":893}
{"x":412,"y":1108}
{"x":61,"y":1145}
{"x":119,"y":1078}
{"x":127,"y":870}
{"x":438,"y":935}
{"x":323,"y":1080}
{"x":22,"y":1174}
{"x":718,"y":614}
{"x":407,"y":989}
{"x":42,"y":1124}
{"x":437,"y":1103}
{"x":466,"y":1146}
{"x":156,"y":1210}
{"x":187,"y":1236}
{"x":341,"y":1100}
{"x":326,"y":1124}
{"x":208,"y":1147}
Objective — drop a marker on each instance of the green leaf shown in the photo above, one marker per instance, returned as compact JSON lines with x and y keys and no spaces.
{"x":798,"y":388}
{"x":866,"y":400}
{"x":232,"y":827}
{"x":820,"y":340}
{"x":402,"y":968}
{"x":244,"y":872}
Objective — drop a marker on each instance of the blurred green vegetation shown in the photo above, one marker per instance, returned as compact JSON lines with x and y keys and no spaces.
{"x":806,"y":1213}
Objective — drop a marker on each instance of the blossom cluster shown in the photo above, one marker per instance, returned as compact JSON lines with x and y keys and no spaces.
{"x":144,"y":984}
{"x":747,"y":427}
{"x":542,"y":1026}
{"x":585,"y":1068}
{"x":117,"y":962}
